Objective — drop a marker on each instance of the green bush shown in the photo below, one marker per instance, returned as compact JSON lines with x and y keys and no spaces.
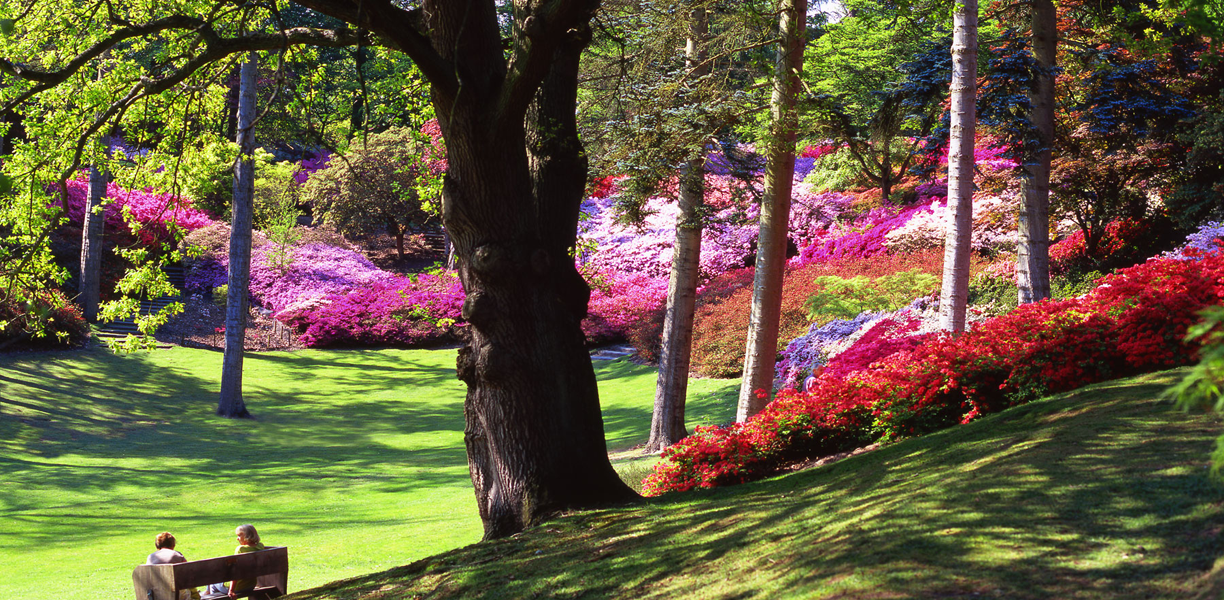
{"x":842,"y":298}
{"x":388,"y":183}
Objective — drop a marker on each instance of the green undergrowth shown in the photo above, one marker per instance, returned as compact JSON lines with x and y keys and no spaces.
{"x":355,"y":460}
{"x":1101,"y":493}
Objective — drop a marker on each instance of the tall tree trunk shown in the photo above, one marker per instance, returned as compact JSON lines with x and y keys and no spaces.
{"x":667,"y":422}
{"x":91,"y":245}
{"x":762,"y":348}
{"x":511,"y":198}
{"x":236,"y":308}
{"x":1033,"y":252}
{"x":957,"y":246}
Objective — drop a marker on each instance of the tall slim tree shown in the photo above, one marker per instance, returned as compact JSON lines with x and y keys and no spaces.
{"x":1033,"y":251}
{"x":955,"y":294}
{"x":761,"y":353}
{"x":667,"y":422}
{"x":238,"y":293}
{"x":91,"y":245}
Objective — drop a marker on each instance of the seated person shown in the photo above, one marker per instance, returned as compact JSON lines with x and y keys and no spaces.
{"x":248,"y":541}
{"x":167,"y":555}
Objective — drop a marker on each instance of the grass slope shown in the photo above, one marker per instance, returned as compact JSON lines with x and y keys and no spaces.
{"x":355,"y":460}
{"x":1100,"y":493}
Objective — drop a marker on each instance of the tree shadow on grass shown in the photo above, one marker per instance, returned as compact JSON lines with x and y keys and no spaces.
{"x":1101,"y":493}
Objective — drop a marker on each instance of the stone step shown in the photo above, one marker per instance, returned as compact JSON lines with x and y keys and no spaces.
{"x":613,"y":352}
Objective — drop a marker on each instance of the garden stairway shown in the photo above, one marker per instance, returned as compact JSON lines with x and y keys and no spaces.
{"x":612,"y":352}
{"x":119,"y":330}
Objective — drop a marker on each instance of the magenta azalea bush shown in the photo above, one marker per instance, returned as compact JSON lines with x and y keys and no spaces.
{"x":399,"y":311}
{"x":158,"y":214}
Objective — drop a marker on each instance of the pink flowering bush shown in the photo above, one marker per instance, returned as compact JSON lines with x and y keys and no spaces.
{"x":994,"y":225}
{"x":1134,"y":322}
{"x":396,"y":311}
{"x":316,"y":271}
{"x":157,"y":214}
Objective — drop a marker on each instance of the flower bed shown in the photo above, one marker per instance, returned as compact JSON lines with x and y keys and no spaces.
{"x":157,"y":213}
{"x":1133,"y":322}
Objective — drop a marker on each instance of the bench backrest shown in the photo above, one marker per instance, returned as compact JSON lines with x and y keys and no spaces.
{"x":270,"y":567}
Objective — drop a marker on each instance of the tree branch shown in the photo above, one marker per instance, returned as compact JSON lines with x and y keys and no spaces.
{"x":398,"y":28}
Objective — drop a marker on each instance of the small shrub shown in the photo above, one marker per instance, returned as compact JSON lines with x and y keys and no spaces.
{"x":40,"y":319}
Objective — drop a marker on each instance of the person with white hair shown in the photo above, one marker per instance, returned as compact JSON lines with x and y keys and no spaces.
{"x":248,"y":541}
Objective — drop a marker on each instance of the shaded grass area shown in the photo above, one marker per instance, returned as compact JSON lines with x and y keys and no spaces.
{"x":355,"y":460}
{"x":1099,"y":493}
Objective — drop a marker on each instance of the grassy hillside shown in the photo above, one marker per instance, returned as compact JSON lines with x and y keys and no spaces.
{"x":355,"y":460}
{"x":1101,"y":493}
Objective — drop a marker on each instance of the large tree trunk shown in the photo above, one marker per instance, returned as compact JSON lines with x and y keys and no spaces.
{"x":667,"y":422}
{"x":511,"y":199}
{"x":91,"y":245}
{"x":236,"y":308}
{"x":953,"y":299}
{"x":1033,"y":252}
{"x":762,"y":348}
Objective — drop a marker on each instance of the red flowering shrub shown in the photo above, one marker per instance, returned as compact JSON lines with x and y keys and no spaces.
{"x":40,"y":318}
{"x":1133,"y":322}
{"x":721,"y":323}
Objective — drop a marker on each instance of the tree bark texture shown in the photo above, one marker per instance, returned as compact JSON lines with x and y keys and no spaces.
{"x":510,"y":202}
{"x":238,"y":295}
{"x":667,"y":422}
{"x":762,"y":347}
{"x":671,"y":390}
{"x":1033,"y":252}
{"x":955,"y":294}
{"x":91,"y":245}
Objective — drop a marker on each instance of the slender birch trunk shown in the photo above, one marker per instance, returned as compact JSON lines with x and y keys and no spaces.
{"x":667,"y":423}
{"x":236,"y":308}
{"x":762,"y":348}
{"x":91,"y":245}
{"x":1033,"y":252}
{"x":955,"y":293}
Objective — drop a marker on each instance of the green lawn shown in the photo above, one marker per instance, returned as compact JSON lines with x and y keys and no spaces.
{"x":355,"y":460}
{"x":1097,"y":494}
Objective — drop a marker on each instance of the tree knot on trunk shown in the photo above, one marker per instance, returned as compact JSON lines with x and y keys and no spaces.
{"x":465,"y":364}
{"x":479,"y":309}
{"x":494,"y":262}
{"x":496,"y":365}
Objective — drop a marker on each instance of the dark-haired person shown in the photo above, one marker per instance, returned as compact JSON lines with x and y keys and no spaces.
{"x":167,"y":555}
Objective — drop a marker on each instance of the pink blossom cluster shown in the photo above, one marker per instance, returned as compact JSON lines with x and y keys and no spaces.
{"x":994,"y":225}
{"x":864,"y":237}
{"x":619,"y":301}
{"x":158,"y":213}
{"x":314,"y":271}
{"x":397,"y":311}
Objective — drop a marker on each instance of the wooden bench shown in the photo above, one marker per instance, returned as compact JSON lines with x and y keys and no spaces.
{"x":270,"y":569}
